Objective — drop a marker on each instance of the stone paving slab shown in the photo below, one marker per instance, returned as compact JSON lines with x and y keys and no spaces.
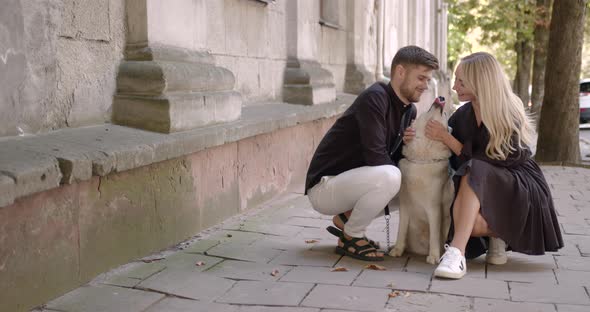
{"x":307,"y":257}
{"x":186,"y":305}
{"x":418,"y":264}
{"x":573,"y":263}
{"x":417,"y":302}
{"x":584,"y":246}
{"x":325,"y":245}
{"x":574,"y":278}
{"x":570,"y":249}
{"x":347,"y":298}
{"x":472,"y":287}
{"x":144,"y":270}
{"x":580,"y":228}
{"x":127,"y":282}
{"x":274,"y":309}
{"x":266,"y":293}
{"x":547,"y":260}
{"x":309,"y":222}
{"x":524,"y":269}
{"x":201,"y":246}
{"x":317,"y":233}
{"x":390,"y":263}
{"x":189,"y":262}
{"x":235,"y":236}
{"x":238,"y":251}
{"x":549,"y":293}
{"x":572,"y":308}
{"x":320,"y":275}
{"x":264,"y":228}
{"x":282,"y":243}
{"x":393,"y":280}
{"x":494,"y":305}
{"x":187,"y":284}
{"x":104,"y":298}
{"x":242,"y":270}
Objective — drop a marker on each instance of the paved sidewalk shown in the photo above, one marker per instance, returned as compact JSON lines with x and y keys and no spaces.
{"x":280,"y":258}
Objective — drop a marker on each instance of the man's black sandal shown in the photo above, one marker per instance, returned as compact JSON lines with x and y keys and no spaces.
{"x":360,"y":252}
{"x":338,"y":232}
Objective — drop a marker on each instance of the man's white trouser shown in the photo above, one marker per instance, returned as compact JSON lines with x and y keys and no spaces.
{"x":364,"y":190}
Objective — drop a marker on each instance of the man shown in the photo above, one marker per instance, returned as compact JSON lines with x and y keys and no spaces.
{"x":353,"y":173}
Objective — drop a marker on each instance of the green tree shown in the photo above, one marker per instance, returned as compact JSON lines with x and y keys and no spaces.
{"x":507,"y":29}
{"x":558,"y":128}
{"x":585,"y":73}
{"x":542,"y":22}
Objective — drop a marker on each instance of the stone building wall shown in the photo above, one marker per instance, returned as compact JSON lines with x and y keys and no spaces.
{"x":59,"y":63}
{"x":60,"y":58}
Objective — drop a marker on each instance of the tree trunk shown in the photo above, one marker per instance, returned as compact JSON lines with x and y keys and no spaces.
{"x":559,"y":126}
{"x":542,"y":22}
{"x":524,"y":59}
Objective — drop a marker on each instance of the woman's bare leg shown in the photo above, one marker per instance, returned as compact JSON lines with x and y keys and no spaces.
{"x":480,"y":228}
{"x":465,"y":215}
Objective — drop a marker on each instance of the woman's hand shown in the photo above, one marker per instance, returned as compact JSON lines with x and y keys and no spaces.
{"x":436,"y":131}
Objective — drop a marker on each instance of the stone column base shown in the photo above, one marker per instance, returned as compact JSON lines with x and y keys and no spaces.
{"x":306,"y":82}
{"x":358,"y":78}
{"x":167,"y":89}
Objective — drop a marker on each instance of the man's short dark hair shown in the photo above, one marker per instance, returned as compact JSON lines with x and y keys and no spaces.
{"x":413,"y":55}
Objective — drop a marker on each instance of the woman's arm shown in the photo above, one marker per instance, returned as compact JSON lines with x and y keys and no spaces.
{"x":436,"y":131}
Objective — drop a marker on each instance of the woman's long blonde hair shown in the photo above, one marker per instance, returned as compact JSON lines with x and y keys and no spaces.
{"x":502,"y":112}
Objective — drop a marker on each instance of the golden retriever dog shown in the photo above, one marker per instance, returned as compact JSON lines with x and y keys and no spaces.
{"x":426,"y":192}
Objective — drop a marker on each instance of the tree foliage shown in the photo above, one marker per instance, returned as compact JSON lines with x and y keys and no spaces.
{"x":499,"y":23}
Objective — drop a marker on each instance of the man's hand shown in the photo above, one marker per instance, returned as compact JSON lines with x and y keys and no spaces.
{"x":435,"y":131}
{"x":409,"y":133}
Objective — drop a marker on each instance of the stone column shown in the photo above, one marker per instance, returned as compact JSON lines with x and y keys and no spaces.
{"x":306,"y":82}
{"x":358,"y":75}
{"x":165,"y":83}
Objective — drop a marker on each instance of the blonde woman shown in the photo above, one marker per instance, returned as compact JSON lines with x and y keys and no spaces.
{"x":502,"y":200}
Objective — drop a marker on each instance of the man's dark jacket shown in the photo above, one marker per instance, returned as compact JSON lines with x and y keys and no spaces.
{"x":364,"y":135}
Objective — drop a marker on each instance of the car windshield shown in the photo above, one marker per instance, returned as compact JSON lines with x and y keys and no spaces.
{"x":585,"y":87}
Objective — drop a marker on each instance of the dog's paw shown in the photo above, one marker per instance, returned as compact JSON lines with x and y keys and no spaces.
{"x":396,"y":252}
{"x":432,"y":259}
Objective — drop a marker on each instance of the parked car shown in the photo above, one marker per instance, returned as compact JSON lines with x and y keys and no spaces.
{"x":585,"y":100}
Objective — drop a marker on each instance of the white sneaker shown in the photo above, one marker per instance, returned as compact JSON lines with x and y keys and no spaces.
{"x":496,"y":252}
{"x":452,"y":264}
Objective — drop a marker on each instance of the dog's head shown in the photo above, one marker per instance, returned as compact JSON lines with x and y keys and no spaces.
{"x":421,"y":148}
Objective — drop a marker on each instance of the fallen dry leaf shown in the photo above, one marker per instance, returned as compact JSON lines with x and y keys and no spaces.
{"x":339,"y":269}
{"x":394,"y":294}
{"x":200,"y":263}
{"x":311,"y":241}
{"x":152,"y":260}
{"x":407,"y":294}
{"x":274,"y":272}
{"x":375,"y":267}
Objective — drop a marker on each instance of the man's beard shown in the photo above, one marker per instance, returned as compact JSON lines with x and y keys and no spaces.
{"x":411,"y":94}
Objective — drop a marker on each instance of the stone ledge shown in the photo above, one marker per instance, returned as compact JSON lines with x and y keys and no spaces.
{"x":37,"y":163}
